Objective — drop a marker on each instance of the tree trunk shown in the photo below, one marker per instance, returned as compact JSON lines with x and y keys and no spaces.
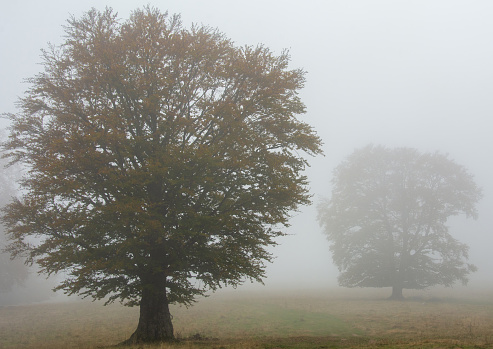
{"x":155,"y":319}
{"x":397,"y":293}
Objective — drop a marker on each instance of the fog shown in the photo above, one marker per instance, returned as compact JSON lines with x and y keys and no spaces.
{"x":398,"y":73}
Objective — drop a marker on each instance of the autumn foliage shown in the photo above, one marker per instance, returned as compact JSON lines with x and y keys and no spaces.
{"x":162,"y":161}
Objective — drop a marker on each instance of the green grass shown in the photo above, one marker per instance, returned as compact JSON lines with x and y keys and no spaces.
{"x":257,"y":317}
{"x":263,"y":320}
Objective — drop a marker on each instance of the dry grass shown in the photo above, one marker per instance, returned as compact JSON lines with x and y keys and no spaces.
{"x":263,"y":320}
{"x":64,"y":325}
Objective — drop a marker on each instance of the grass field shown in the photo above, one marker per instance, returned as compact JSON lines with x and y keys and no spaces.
{"x":264,"y":320}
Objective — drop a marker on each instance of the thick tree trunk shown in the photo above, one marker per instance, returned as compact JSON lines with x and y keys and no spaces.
{"x":397,"y":293}
{"x":155,"y":319}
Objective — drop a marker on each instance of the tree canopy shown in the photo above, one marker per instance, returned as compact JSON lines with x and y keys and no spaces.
{"x":387,"y":219}
{"x":162,"y":161}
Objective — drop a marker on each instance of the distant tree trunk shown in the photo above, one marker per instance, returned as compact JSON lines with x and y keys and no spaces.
{"x":155,"y":318}
{"x":397,"y":293}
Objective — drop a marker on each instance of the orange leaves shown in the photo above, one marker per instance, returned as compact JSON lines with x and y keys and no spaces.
{"x":158,"y":148}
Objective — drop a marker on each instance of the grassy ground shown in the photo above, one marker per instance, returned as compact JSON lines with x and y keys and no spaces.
{"x":264,"y":320}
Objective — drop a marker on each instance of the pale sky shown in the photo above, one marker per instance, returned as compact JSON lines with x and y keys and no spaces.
{"x":398,"y":73}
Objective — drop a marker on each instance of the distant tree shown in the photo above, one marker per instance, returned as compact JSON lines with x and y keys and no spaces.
{"x":387,"y":219}
{"x":162,"y":162}
{"x":12,"y":272}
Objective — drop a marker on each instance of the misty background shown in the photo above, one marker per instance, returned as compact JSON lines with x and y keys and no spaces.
{"x":398,"y":73}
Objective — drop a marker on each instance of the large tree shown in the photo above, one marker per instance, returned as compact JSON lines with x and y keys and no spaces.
{"x":162,"y":162}
{"x":387,"y":219}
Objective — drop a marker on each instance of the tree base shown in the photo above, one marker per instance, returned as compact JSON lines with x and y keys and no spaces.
{"x":396,"y":294}
{"x":155,"y":325}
